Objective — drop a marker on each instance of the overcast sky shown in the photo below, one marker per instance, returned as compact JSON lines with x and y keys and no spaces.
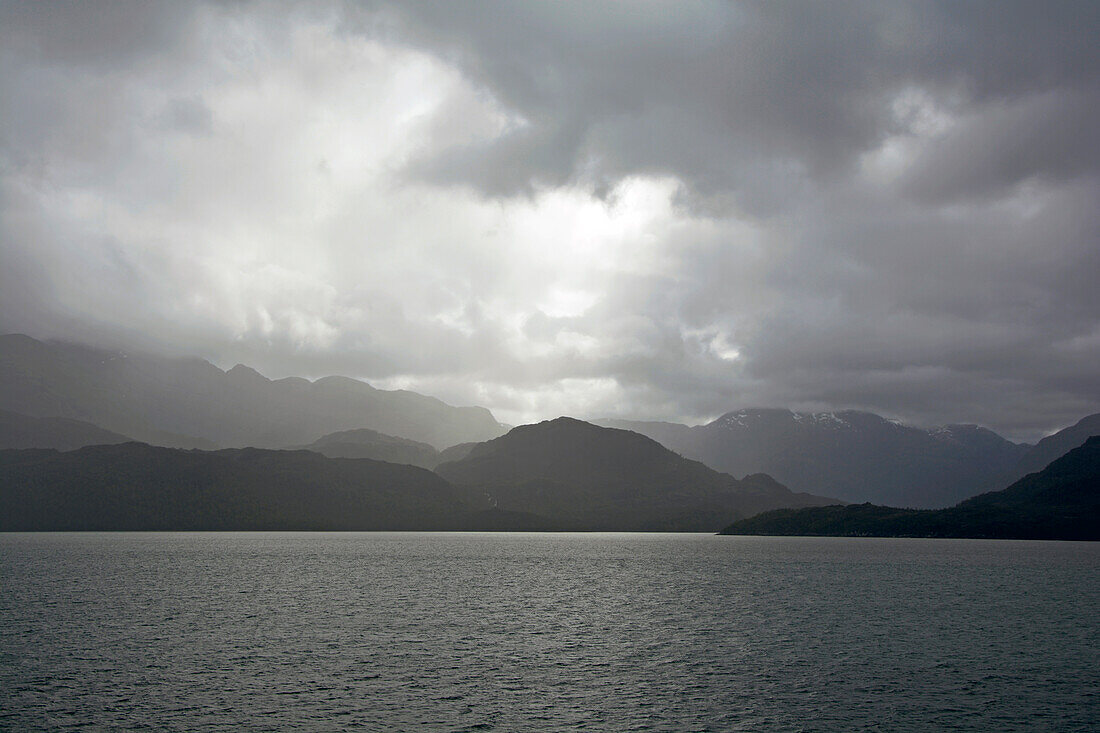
{"x":646,"y":210}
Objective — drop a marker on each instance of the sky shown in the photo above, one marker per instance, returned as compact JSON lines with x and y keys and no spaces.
{"x":648,"y":210}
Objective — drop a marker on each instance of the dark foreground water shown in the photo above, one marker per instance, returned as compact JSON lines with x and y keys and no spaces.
{"x":515,"y":632}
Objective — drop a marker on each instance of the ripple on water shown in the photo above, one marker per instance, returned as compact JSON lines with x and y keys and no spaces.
{"x":465,"y":632}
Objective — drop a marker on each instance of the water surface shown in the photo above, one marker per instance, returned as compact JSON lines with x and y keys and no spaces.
{"x":509,"y":632}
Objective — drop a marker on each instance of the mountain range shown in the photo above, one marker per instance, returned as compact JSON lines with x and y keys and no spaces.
{"x":366,"y":443}
{"x":190,"y":403}
{"x":590,"y":477}
{"x":59,"y":433}
{"x":134,"y":486}
{"x":64,"y":396}
{"x":1060,"y":502}
{"x":560,"y":474}
{"x":854,"y":456}
{"x":1057,"y":445}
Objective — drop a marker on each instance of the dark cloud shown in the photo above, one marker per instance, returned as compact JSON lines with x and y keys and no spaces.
{"x":654,"y":210}
{"x":110,"y":36}
{"x":1045,"y":137}
{"x":724,"y":95}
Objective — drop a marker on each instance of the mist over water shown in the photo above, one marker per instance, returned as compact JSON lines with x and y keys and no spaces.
{"x":452,"y":632}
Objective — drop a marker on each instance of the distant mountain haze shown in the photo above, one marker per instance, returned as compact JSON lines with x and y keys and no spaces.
{"x":1060,"y":502}
{"x":364,"y":443}
{"x":559,"y":475}
{"x":455,"y":452}
{"x":59,"y":433}
{"x":192,"y":403}
{"x":1054,"y":446}
{"x":854,"y":456}
{"x":592,"y":477}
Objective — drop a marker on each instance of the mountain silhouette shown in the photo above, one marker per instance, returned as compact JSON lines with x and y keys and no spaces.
{"x":134,"y":486}
{"x":854,"y":456}
{"x":364,"y":443}
{"x":59,"y":433}
{"x":591,"y":477}
{"x":1054,"y":446}
{"x":1061,"y":502}
{"x":190,"y":403}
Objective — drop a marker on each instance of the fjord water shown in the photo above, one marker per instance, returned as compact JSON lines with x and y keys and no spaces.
{"x":451,"y":632}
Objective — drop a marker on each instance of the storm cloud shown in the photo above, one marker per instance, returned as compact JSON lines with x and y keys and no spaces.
{"x":646,"y":210}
